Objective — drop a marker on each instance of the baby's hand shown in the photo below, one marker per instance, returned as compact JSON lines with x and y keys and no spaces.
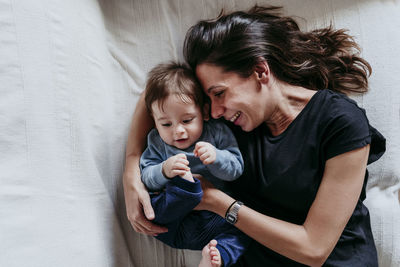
{"x":206,"y":152}
{"x":175,"y":165}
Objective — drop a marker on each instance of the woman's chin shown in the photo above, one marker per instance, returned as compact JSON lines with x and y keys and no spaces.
{"x":246,"y":128}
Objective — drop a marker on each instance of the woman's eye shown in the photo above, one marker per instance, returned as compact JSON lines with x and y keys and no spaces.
{"x":188,"y":120}
{"x":219,"y":94}
{"x":166,"y":124}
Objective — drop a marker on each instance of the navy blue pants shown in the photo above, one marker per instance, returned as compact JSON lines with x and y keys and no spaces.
{"x":189,"y":229}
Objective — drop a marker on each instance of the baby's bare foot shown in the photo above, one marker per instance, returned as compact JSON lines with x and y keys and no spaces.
{"x":210,"y":255}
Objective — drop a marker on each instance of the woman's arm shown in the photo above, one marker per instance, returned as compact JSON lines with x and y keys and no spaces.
{"x":312,"y":242}
{"x":137,"y":200}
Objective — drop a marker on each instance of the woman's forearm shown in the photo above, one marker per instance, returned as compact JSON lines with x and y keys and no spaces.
{"x":288,"y":239}
{"x":138,"y":205}
{"x":141,"y":124}
{"x":280,"y":236}
{"x":312,"y":242}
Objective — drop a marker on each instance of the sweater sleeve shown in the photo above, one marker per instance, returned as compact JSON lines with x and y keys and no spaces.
{"x":151,"y":163}
{"x":228,"y":165}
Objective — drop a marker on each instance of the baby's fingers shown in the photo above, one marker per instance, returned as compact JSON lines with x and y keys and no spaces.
{"x":181,"y":156}
{"x":200,"y":151}
{"x":198,"y":146}
{"x":207,"y":160}
{"x":178,"y":172}
{"x":181,"y":166}
{"x":204,"y":156}
{"x":182,"y":161}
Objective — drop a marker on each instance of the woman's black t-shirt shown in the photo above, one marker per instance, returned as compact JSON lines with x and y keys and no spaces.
{"x":283,"y":173}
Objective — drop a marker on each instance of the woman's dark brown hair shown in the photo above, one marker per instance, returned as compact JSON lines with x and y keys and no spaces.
{"x":319,"y":59}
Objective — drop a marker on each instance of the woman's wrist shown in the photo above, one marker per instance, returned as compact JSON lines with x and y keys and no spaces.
{"x":131,"y":176}
{"x":129,"y":179}
{"x":220,"y":203}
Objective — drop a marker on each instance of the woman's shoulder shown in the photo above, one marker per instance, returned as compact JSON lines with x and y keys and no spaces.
{"x":335,"y":98}
{"x":338,"y":109}
{"x":345,"y":116}
{"x":334,"y":105}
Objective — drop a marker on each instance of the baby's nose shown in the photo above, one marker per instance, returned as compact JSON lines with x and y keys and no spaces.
{"x":179,"y":129}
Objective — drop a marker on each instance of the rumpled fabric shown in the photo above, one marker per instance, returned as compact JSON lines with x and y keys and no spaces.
{"x":71,"y":73}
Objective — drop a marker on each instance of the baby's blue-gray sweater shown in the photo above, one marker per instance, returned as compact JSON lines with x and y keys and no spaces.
{"x":228,"y":165}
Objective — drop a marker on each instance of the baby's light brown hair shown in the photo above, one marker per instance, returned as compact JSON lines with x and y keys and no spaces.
{"x":172,"y":78}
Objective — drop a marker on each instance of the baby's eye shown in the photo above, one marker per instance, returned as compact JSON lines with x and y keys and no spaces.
{"x":166,"y":124}
{"x":188,"y":120}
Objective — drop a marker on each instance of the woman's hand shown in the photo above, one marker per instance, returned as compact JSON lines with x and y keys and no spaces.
{"x":139,"y":209}
{"x":137,"y":199}
{"x":213,"y":199}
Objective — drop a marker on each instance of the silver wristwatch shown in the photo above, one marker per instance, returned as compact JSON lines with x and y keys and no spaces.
{"x":231,"y":215}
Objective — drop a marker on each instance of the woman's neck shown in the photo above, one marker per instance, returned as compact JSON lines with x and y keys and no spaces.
{"x":290,"y":101}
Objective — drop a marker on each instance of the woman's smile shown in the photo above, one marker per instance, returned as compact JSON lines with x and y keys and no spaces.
{"x":235,"y":117}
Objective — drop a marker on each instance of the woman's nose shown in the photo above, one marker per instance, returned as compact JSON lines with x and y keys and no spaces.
{"x":216,"y":111}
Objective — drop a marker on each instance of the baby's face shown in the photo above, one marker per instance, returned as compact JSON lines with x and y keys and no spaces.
{"x":179,"y":124}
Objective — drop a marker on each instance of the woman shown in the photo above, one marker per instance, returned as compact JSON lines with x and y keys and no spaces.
{"x":305,"y":144}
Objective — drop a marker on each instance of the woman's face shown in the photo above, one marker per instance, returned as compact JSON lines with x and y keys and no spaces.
{"x":237,"y":99}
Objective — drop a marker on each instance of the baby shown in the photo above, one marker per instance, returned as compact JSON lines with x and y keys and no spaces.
{"x":181,"y":144}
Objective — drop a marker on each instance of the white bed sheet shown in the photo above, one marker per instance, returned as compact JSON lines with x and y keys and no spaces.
{"x":70,"y":75}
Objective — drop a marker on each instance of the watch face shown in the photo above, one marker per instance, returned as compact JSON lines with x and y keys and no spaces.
{"x":230,"y":218}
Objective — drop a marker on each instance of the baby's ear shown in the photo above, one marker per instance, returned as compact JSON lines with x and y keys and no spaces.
{"x":206,"y":111}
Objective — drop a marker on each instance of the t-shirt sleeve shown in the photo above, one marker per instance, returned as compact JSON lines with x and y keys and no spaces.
{"x":347,"y":130}
{"x":378,"y":145}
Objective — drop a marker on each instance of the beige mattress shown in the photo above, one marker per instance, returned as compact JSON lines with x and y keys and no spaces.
{"x":70,"y":75}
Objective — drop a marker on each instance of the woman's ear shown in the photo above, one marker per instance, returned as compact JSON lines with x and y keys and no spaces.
{"x":262,"y":71}
{"x":206,"y":111}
